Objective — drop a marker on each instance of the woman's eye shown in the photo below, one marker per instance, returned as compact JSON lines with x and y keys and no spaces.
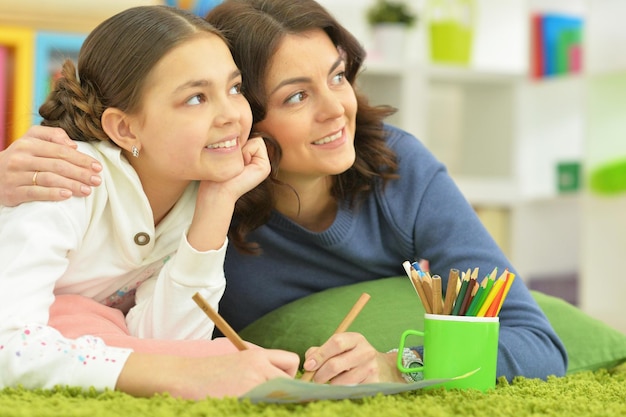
{"x":296,"y":98}
{"x":195,"y":100}
{"x":235,"y":89}
{"x":339,"y":78}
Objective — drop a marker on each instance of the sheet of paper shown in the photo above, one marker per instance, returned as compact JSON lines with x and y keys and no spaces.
{"x":283,"y":390}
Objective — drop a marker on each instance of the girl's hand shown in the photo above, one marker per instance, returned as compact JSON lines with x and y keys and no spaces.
{"x":62,"y":171}
{"x":216,"y":200}
{"x":348,"y":358}
{"x":197,"y":378}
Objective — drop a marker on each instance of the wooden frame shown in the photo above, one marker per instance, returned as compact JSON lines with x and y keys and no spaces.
{"x":20,"y":44}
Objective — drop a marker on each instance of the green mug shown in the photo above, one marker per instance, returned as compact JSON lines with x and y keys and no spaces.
{"x":461,"y":347}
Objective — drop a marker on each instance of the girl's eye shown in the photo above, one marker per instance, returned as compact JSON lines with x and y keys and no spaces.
{"x":296,"y":98}
{"x":235,"y":89}
{"x":195,"y":100}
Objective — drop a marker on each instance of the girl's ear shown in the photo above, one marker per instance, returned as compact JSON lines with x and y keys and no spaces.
{"x":116,"y":124}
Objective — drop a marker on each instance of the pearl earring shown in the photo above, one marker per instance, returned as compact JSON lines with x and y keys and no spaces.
{"x":135,"y":151}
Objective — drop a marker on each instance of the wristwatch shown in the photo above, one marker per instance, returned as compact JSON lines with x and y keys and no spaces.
{"x":410,"y":359}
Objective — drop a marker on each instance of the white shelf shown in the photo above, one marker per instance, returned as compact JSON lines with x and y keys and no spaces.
{"x":481,"y":191}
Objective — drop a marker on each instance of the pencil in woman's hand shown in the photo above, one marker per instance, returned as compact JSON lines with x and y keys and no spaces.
{"x":343,"y":326}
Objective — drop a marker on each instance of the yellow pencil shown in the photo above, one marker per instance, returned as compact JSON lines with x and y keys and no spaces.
{"x":490,"y":297}
{"x":507,"y":287}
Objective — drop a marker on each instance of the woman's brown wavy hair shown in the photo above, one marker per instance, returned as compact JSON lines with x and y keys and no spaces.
{"x":254,"y":29}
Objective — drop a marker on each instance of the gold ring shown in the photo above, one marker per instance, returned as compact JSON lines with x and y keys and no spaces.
{"x":35,"y":178}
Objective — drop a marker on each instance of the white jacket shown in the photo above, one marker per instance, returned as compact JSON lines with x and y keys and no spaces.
{"x":88,"y":246}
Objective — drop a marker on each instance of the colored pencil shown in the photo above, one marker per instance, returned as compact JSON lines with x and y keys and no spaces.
{"x":419,"y":287}
{"x":427,"y":284}
{"x":437,"y":297}
{"x":448,"y":303}
{"x":475,"y":303}
{"x":495,"y":289}
{"x":413,"y":275}
{"x":469,"y":293}
{"x":509,"y":281}
{"x":461,"y":295}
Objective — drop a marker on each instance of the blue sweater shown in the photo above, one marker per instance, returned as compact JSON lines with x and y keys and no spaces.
{"x":421,"y":215}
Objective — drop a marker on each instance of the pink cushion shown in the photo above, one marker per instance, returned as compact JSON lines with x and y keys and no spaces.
{"x":75,"y":316}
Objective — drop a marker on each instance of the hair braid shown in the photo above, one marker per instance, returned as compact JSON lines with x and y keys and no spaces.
{"x":74,"y":106}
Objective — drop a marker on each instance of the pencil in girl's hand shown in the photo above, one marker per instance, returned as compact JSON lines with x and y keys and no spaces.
{"x":343,"y":326}
{"x":219,"y":322}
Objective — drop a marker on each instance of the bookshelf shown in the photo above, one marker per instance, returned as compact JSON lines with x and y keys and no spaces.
{"x":502,"y":132}
{"x":511,"y":139}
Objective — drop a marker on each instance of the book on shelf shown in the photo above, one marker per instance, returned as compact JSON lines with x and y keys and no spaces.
{"x":556,"y":44}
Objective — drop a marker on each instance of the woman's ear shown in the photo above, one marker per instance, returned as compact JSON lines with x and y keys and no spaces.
{"x":116,"y":124}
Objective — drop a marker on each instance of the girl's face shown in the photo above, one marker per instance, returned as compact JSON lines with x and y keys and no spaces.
{"x":194,"y":120}
{"x":311,"y":109}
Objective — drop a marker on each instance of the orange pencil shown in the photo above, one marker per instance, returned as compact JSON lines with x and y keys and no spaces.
{"x":495,"y":307}
{"x":507,"y":286}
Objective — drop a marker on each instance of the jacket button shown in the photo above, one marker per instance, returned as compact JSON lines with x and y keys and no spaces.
{"x":142,"y":238}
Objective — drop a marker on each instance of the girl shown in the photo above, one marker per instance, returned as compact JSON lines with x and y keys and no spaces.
{"x":157,"y":101}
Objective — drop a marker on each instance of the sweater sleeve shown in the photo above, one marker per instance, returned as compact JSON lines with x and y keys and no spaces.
{"x":164,"y":306}
{"x":32,"y":354}
{"x":441,"y":226}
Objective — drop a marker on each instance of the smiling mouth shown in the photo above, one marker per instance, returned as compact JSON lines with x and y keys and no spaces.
{"x":329,"y":139}
{"x":226,"y":144}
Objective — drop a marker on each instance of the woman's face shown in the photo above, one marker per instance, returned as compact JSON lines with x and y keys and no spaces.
{"x":311,"y":109}
{"x":193,"y":120}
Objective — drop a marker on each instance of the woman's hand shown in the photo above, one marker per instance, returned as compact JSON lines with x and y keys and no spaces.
{"x":197,"y":378}
{"x":348,"y":358}
{"x":61,"y":170}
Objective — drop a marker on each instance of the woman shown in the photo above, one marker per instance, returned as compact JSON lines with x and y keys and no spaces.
{"x":157,"y":100}
{"x":349,"y":199}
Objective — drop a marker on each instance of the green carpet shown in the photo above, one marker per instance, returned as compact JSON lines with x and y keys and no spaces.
{"x":599,"y":393}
